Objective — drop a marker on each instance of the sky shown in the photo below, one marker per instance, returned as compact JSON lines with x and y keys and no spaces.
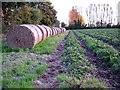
{"x":64,"y":6}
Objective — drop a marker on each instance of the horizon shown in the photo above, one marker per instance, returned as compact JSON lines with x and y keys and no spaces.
{"x":64,"y":8}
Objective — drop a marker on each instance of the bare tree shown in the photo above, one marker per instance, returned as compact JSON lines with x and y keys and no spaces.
{"x":102,"y":13}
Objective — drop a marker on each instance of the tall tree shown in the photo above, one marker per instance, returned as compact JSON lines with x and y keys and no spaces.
{"x":48,"y":11}
{"x":16,"y":13}
{"x":102,"y":13}
{"x":75,"y":17}
{"x":8,"y":9}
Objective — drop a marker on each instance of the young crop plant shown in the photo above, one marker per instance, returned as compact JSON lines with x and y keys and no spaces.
{"x":110,"y":36}
{"x":108,"y":54}
{"x":78,"y":67}
{"x":74,"y":58}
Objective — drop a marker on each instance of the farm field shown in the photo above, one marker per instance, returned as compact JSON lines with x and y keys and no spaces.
{"x":73,"y":59}
{"x":110,"y":36}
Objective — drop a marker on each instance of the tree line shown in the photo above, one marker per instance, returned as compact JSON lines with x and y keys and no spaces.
{"x":16,"y":13}
{"x":98,"y":16}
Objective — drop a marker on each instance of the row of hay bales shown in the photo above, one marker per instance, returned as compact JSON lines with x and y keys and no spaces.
{"x":28,"y":35}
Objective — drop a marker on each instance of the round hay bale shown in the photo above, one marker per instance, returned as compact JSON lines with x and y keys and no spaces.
{"x":28,"y":35}
{"x":54,"y":31}
{"x":24,"y":36}
{"x":48,"y":29}
{"x":44,"y":31}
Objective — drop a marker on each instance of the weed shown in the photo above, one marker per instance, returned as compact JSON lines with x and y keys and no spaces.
{"x":42,"y":68}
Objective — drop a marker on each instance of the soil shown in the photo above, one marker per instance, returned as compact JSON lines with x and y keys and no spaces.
{"x":48,"y":79}
{"x":103,"y":73}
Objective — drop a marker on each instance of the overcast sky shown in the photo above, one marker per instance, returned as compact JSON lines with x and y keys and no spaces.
{"x":64,"y":6}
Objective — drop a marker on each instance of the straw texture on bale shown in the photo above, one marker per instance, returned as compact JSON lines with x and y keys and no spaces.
{"x":28,"y":35}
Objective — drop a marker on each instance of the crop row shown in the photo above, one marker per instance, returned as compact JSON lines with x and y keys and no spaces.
{"x":108,"y":54}
{"x":110,"y":36}
{"x":75,"y":59}
{"x":76,"y":63}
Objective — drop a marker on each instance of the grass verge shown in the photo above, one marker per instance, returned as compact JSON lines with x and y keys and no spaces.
{"x":19,"y":71}
{"x":46,"y":46}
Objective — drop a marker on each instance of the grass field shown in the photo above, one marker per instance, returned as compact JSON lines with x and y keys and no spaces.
{"x":22,"y":66}
{"x":89,"y":56}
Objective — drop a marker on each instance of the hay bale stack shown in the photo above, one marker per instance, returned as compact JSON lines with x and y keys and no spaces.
{"x":28,"y":35}
{"x":24,"y":36}
{"x":54,"y":31}
{"x":44,"y":31}
{"x":48,"y":29}
{"x":63,"y":30}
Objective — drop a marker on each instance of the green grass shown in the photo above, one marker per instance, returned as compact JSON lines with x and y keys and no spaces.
{"x":46,"y":46}
{"x":92,"y":83}
{"x":22,"y":71}
{"x":42,"y":68}
{"x":25,"y":81}
{"x":19,"y":71}
{"x":67,"y":81}
{"x":49,"y":45}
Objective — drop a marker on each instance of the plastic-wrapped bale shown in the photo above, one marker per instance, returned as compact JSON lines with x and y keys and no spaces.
{"x":24,"y":36}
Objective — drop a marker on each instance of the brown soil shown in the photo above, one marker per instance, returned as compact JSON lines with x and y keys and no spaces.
{"x":103,"y":73}
{"x":48,"y":79}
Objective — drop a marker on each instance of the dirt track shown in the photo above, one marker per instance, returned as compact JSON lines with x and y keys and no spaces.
{"x":48,"y":79}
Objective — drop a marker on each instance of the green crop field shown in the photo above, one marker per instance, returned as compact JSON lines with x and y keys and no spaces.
{"x":77,"y":58}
